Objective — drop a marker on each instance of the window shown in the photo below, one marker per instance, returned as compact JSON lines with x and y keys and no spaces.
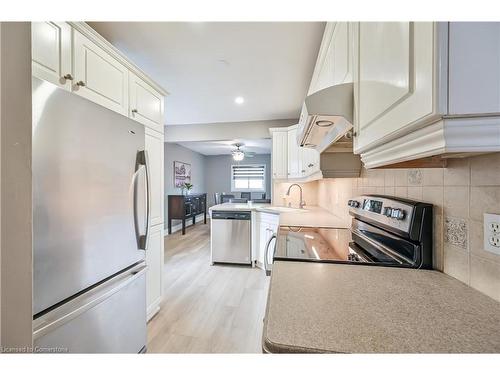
{"x":250,"y":177}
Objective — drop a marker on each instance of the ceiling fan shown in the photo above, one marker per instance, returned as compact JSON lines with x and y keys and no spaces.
{"x":239,"y":155}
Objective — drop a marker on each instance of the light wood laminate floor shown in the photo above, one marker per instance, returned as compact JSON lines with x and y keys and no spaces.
{"x":207,"y":309}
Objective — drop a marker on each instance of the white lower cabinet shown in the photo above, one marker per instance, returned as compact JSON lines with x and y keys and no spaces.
{"x":98,"y":76}
{"x":267,"y":225}
{"x":154,"y":272}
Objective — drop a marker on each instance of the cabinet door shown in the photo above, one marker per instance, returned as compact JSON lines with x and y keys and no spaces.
{"x":263,"y":237}
{"x":154,"y":147}
{"x":154,"y":262}
{"x":280,"y":154}
{"x":146,"y":104}
{"x":51,"y":52}
{"x":394,"y":87}
{"x":98,"y":76}
{"x":310,"y":161}
{"x":294,"y":157}
{"x":335,"y":58}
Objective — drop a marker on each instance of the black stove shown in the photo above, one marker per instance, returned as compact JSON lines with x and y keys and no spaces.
{"x":385,"y":231}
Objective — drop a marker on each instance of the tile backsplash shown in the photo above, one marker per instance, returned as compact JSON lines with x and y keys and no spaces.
{"x":460,"y":193}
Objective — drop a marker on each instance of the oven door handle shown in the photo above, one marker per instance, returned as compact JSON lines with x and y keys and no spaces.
{"x":266,"y":254}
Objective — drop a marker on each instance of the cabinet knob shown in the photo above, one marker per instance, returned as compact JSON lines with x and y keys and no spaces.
{"x":135,"y":111}
{"x":81,"y":84}
{"x":68,"y":77}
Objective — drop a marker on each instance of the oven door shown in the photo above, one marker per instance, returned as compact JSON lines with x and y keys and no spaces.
{"x":378,"y":246}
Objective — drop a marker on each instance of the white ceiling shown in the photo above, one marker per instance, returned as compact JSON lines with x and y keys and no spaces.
{"x":259,"y":146}
{"x":206,"y":65}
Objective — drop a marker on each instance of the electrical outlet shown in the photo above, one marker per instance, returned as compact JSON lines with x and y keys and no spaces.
{"x":492,"y":233}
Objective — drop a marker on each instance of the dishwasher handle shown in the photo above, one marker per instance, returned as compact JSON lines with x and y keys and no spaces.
{"x":266,"y":254}
{"x":228,"y":215}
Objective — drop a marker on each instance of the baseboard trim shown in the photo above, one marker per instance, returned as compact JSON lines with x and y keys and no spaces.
{"x":178,"y":227}
{"x":153,"y":309}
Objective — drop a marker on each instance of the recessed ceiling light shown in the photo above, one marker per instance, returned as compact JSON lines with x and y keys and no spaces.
{"x":239,"y":100}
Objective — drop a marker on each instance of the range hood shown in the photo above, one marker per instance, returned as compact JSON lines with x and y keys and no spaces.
{"x":338,"y":160}
{"x":326,"y":116}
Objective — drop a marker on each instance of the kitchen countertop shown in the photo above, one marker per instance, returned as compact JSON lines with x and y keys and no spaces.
{"x":321,"y":307}
{"x":310,"y":216}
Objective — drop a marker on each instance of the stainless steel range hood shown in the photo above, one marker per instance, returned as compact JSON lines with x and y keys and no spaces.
{"x":338,"y":160}
{"x":326,"y":116}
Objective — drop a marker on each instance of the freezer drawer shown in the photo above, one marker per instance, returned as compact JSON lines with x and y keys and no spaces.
{"x":110,"y":318}
{"x":231,"y":237}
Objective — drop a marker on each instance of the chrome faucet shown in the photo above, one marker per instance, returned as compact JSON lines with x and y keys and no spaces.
{"x":302,"y":203}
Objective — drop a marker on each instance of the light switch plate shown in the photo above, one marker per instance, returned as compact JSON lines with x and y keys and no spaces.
{"x":491,"y":227}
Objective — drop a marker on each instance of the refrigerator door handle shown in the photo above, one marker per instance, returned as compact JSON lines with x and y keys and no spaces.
{"x":143,"y":240}
{"x":70,"y":310}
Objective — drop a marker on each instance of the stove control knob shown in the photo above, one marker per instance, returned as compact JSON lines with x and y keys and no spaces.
{"x":354,"y":204}
{"x":388,"y":211}
{"x":398,"y":214}
{"x":349,"y":202}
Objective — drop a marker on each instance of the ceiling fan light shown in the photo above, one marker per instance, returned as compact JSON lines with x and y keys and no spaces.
{"x":238,"y":155}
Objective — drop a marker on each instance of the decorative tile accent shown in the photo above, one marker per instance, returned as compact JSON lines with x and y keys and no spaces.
{"x":414,"y":177}
{"x":456,"y":232}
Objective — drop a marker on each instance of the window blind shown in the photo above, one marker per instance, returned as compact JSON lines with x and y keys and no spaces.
{"x":248,"y":172}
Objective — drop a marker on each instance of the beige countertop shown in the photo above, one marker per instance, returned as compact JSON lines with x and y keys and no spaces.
{"x":310,"y":216}
{"x":321,"y":307}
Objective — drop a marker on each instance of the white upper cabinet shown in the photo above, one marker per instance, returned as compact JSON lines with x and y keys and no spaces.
{"x":310,"y":161}
{"x":334,"y":64}
{"x":291,"y":161}
{"x":280,"y":153}
{"x":99,"y":76}
{"x":425,"y":89}
{"x":395,"y":82}
{"x":294,"y":155}
{"x":146,"y":104}
{"x":51,"y":52}
{"x":154,"y":147}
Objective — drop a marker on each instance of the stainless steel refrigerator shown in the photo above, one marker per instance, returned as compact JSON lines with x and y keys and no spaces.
{"x":90,"y":225}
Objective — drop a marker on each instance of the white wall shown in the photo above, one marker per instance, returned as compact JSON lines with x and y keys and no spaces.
{"x":175,"y":152}
{"x":16,"y":205}
{"x":218,"y":173}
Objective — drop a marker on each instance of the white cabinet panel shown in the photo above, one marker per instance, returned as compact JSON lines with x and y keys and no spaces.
{"x":395,"y":83}
{"x":342,"y":53}
{"x":474,"y":68}
{"x":51,"y":52}
{"x":98,"y":76}
{"x":154,"y":262}
{"x":154,"y":147}
{"x":267,"y":226}
{"x":294,"y":155}
{"x":310,"y":161}
{"x":280,"y":153}
{"x":334,"y":64}
{"x":146,"y":104}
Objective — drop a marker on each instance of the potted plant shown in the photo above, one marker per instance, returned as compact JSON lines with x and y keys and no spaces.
{"x":188,"y":187}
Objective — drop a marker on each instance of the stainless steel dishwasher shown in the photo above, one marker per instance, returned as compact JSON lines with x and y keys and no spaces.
{"x":231,"y":237}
